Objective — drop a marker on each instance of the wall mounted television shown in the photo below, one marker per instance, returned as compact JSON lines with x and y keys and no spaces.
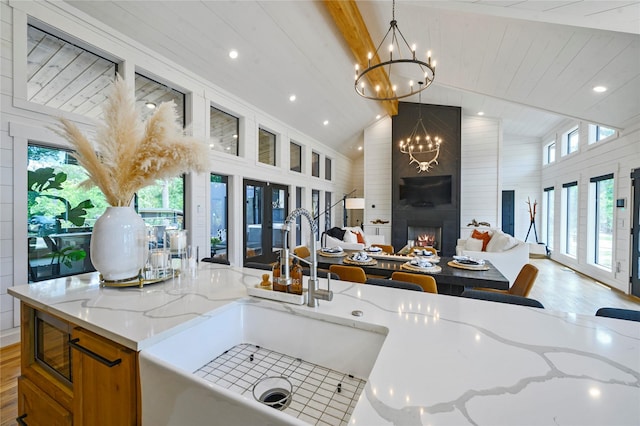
{"x":425,"y":191}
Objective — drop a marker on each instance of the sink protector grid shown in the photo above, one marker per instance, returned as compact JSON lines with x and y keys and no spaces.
{"x":321,"y":396}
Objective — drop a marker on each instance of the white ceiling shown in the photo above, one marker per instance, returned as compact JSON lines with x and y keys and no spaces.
{"x":529,"y":63}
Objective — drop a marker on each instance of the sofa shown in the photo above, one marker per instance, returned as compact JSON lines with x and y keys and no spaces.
{"x":505,"y":252}
{"x":349,"y":238}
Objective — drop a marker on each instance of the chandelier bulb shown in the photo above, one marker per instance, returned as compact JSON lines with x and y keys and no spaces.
{"x":428,"y":54}
{"x":394,"y":87}
{"x":434,"y":63}
{"x":411,"y":84}
{"x":377,"y":88}
{"x":357,"y":67}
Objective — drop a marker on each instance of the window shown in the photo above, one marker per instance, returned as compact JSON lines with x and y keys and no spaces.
{"x":549,"y":194}
{"x":602,"y":241}
{"x":64,"y":76}
{"x":315,"y":208}
{"x":327,"y":168}
{"x":59,"y":234}
{"x":571,"y":141}
{"x":219,"y":213}
{"x":224,"y":131}
{"x":598,"y":133}
{"x":161,"y":204}
{"x":327,"y":210}
{"x":315,"y":164}
{"x":266,"y":147}
{"x":550,"y":153}
{"x":150,"y":94}
{"x":299,"y":218}
{"x":570,"y":192}
{"x":295,"y":157}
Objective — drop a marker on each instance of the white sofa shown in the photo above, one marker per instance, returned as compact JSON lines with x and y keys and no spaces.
{"x":350,"y":240}
{"x":505,"y":252}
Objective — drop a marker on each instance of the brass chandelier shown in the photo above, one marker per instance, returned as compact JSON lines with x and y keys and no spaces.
{"x":402,"y":67}
{"x":419,"y":146}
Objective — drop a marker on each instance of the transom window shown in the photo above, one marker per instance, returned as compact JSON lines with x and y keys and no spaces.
{"x":150,"y":94}
{"x":64,"y":76}
{"x":224,"y":132}
{"x":295,"y":157}
{"x":315,"y":164}
{"x":550,"y":153}
{"x":598,"y":133}
{"x":266,"y":147}
{"x":571,"y":142}
{"x":327,"y":168}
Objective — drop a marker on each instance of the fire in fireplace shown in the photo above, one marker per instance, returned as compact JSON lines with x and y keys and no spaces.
{"x":425,"y":236}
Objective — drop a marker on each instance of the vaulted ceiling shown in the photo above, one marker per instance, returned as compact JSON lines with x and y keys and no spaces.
{"x":530,"y":64}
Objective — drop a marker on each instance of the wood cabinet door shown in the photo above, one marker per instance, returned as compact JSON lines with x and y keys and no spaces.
{"x":36,"y":407}
{"x":104,"y":381}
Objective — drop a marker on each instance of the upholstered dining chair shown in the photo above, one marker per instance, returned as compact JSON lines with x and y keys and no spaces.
{"x":302,"y":251}
{"x":349,"y":273}
{"x":619,"y":313}
{"x":383,"y":282}
{"x":522,"y":284}
{"x":501,"y":297}
{"x":387,"y":248}
{"x":427,"y":282}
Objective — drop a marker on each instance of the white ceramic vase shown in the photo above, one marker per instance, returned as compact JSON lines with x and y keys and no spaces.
{"x":119,"y":244}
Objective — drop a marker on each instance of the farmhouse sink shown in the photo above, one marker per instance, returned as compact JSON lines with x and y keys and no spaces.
{"x":175,"y":391}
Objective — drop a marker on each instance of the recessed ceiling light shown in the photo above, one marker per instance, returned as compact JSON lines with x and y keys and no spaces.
{"x":233,"y":54}
{"x":360,"y":148}
{"x":325,"y":122}
{"x":378,"y":117}
{"x":599,"y":89}
{"x":210,"y":145}
{"x":292,"y":98}
{"x":235,"y":136}
{"x":481,"y":113}
{"x":150,"y":105}
{"x":228,"y":148}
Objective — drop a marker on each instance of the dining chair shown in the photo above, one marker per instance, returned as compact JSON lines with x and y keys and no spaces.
{"x":349,"y":273}
{"x":257,"y":265}
{"x":322,"y":273}
{"x":619,"y":313}
{"x":387,"y":248}
{"x":427,"y":282}
{"x":431,"y":249}
{"x":522,"y":284}
{"x":501,"y":297}
{"x":383,"y":282}
{"x":219,"y":260}
{"x":302,"y":251}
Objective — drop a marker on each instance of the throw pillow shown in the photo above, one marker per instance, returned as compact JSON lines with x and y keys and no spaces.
{"x":484,"y":236}
{"x":473,"y":244}
{"x":336,"y":232}
{"x":359,"y":237}
{"x":501,"y":242}
{"x":350,"y":237}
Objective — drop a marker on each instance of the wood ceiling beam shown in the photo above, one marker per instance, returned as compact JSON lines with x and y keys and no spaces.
{"x":348,"y":19}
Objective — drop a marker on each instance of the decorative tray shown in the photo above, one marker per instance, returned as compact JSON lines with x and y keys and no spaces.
{"x":330,"y":254}
{"x":415,"y":268}
{"x":140,"y":281}
{"x":370,"y":261}
{"x":456,"y":264}
{"x":296,"y":299}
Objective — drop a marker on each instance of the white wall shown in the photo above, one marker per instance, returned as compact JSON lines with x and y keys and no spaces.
{"x":481,"y":171}
{"x":377,"y":177}
{"x":22,"y":121}
{"x":617,"y":155}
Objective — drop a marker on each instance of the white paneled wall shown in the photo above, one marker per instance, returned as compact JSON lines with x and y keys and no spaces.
{"x":377,"y":177}
{"x":480,"y":177}
{"x":618,"y":155}
{"x":521,"y":164}
{"x":22,"y":122}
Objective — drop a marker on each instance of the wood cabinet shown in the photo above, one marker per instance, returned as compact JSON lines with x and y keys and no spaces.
{"x":73,"y":376}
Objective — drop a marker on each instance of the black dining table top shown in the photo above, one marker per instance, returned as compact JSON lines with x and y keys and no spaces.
{"x":449,"y":276}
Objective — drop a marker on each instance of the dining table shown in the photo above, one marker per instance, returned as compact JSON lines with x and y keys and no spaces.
{"x":451,"y":280}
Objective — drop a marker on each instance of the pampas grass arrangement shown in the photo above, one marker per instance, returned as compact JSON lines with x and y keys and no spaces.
{"x":129,"y":154}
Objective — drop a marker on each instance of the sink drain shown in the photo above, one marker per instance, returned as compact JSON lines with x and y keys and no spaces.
{"x":274,"y":392}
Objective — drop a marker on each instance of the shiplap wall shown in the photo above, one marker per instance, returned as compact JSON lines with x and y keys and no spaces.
{"x":22,"y":122}
{"x":617,"y":155}
{"x":521,"y":164}
{"x":480,"y":176}
{"x":377,"y":176}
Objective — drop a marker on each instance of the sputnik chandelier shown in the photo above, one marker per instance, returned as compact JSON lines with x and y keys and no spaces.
{"x":403,"y":69}
{"x":419,"y":146}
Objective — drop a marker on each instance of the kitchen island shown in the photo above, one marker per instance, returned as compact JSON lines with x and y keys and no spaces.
{"x":444,"y":359}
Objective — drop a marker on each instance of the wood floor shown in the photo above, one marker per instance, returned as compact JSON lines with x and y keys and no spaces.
{"x":557,"y":288}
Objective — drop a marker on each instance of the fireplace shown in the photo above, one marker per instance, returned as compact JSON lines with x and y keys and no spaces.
{"x":425,"y":236}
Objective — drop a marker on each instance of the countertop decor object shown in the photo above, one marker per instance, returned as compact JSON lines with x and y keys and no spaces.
{"x":127,"y":155}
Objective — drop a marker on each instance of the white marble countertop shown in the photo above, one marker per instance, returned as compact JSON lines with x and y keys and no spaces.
{"x":445,"y":360}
